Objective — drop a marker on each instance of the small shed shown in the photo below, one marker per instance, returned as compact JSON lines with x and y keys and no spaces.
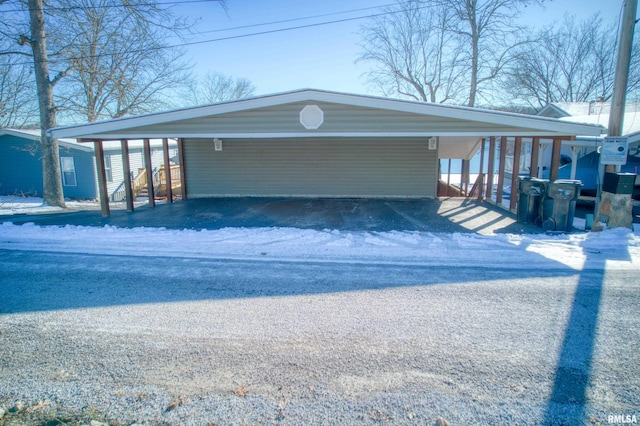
{"x":313,"y":143}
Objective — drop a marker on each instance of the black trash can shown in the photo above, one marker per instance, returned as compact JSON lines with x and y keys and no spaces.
{"x":530,"y":193}
{"x":559,"y":205}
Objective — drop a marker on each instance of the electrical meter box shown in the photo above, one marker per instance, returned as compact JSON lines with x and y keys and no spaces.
{"x":618,"y":183}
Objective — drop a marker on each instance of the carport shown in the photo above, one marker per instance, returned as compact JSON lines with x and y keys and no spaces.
{"x":312,"y":143}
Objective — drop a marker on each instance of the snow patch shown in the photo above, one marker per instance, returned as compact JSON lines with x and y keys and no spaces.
{"x":619,"y":248}
{"x":290,"y":244}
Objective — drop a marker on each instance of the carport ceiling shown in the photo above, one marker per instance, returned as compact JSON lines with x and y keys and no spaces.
{"x":314,"y":113}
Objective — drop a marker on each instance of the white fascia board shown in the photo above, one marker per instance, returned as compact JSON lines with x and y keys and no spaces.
{"x":116,"y":136}
{"x":463,"y":113}
{"x":75,"y":145}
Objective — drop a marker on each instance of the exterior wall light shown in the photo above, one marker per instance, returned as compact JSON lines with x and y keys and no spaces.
{"x":433,"y":143}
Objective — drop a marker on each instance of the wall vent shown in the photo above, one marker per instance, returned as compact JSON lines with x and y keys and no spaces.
{"x":311,"y":117}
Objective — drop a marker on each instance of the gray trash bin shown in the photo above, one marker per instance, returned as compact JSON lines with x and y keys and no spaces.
{"x":530,"y":193}
{"x":559,"y":205}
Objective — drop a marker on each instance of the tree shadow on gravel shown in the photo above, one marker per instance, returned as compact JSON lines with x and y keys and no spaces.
{"x":35,"y":281}
{"x":568,"y":400}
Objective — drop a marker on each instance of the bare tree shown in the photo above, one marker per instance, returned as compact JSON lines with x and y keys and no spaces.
{"x":216,"y":87}
{"x":413,"y":54}
{"x":571,"y":62}
{"x":489,"y":31}
{"x":18,"y":108}
{"x":137,"y":38}
{"x":438,"y":49}
{"x":121,"y":61}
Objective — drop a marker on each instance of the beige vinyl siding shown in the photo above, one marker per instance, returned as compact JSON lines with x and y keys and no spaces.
{"x":330,"y":167}
{"x":136,"y":162}
{"x":337,"y":119}
{"x":117,"y":170}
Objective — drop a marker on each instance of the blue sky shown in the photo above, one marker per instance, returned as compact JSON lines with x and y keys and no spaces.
{"x":321,"y":57}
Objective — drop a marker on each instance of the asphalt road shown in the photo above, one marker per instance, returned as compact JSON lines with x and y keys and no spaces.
{"x":191,"y":341}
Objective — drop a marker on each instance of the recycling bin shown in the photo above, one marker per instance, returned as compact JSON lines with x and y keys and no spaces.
{"x":559,"y":205}
{"x":530,"y":193}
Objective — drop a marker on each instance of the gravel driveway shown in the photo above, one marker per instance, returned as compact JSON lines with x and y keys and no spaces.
{"x":241,"y":342}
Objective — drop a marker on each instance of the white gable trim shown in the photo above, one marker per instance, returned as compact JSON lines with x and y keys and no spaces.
{"x":538,"y":125}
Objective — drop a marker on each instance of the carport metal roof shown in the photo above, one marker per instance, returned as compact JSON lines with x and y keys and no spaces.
{"x":460,"y":129}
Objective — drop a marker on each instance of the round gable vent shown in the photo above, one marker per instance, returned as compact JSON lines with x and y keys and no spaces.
{"x":311,"y":117}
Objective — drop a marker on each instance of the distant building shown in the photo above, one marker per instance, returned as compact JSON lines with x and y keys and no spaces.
{"x":582,"y":152}
{"x":21,"y":165}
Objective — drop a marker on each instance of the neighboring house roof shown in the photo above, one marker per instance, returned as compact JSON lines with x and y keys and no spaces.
{"x":593,"y":113}
{"x":631,"y":121}
{"x":460,"y":129}
{"x":565,"y":109}
{"x":34,"y":135}
{"x":634,"y":137}
{"x":552,"y":111}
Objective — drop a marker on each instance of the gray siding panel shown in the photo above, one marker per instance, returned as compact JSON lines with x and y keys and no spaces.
{"x":337,"y":119}
{"x":331,"y":167}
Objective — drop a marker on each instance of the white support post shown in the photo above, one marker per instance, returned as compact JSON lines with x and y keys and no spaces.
{"x":575,"y":150}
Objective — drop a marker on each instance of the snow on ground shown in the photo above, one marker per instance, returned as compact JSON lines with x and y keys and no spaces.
{"x":616,"y":248}
{"x":13,"y":204}
{"x":10,"y":205}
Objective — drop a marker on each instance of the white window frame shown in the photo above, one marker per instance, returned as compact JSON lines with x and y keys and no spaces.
{"x":65,"y":162}
{"x":108,"y":170}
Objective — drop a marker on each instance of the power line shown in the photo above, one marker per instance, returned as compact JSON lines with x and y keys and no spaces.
{"x":318,"y":24}
{"x":284,"y":21}
{"x":238,"y":36}
{"x":113,"y":6}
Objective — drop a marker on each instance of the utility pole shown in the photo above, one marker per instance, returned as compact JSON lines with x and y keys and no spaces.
{"x":615,"y":209}
{"x":625,"y":43}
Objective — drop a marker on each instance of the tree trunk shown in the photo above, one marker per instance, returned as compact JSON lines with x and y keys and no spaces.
{"x":475,"y":51}
{"x":52,"y":182}
{"x":473,"y":87}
